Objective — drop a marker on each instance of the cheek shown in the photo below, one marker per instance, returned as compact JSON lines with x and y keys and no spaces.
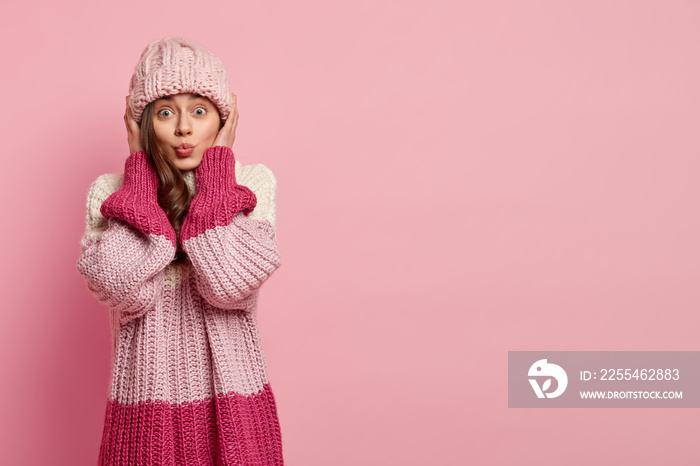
{"x":214,"y":128}
{"x":211,"y":130}
{"x":160,"y":132}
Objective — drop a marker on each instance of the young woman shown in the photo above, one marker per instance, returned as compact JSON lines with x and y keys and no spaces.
{"x":178,"y":248}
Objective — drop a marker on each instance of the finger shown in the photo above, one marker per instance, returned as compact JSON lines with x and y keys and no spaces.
{"x":234,"y":109}
{"x":231,"y":120}
{"x":227,"y":123}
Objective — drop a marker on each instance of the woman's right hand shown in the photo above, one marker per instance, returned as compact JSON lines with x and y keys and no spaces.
{"x":133,"y":130}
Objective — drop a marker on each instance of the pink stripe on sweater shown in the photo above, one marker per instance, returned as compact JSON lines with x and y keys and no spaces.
{"x":233,"y":261}
{"x":219,"y":197}
{"x":136,"y":201}
{"x":123,"y":268}
{"x":230,"y":429}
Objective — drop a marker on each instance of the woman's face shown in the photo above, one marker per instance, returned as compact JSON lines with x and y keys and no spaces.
{"x":185,"y":126}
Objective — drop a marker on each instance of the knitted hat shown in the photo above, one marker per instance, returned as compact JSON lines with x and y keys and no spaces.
{"x":174,"y":65}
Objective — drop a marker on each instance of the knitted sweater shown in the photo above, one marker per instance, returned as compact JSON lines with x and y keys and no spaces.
{"x":189,"y":383}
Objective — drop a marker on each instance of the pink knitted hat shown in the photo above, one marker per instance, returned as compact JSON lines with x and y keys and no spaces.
{"x":174,"y":65}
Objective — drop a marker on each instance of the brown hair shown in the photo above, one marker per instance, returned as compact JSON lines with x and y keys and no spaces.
{"x":173,"y":196}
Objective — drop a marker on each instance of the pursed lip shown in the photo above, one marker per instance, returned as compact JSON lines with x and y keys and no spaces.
{"x":184,"y":150}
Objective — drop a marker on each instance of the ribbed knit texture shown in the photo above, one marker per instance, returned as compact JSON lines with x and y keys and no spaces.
{"x":176,"y":65}
{"x":219,"y":197}
{"x":136,"y":202}
{"x":189,"y":383}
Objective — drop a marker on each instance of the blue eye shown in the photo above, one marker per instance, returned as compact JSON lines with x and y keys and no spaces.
{"x":162,"y":111}
{"x":203,"y":111}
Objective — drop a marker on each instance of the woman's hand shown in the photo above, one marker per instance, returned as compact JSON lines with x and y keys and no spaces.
{"x":133,"y":130}
{"x":227,"y":133}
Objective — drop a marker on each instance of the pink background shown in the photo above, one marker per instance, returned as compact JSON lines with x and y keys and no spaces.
{"x":455,"y":180}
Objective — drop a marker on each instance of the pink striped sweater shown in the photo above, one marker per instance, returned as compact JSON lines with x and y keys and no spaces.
{"x":189,"y":384}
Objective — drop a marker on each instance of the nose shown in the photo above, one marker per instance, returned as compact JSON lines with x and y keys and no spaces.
{"x":184,"y":128}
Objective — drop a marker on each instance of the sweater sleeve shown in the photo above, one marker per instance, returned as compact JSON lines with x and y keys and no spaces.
{"x":128,"y":240}
{"x":232,"y":248}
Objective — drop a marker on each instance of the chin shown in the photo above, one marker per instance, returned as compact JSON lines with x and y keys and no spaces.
{"x":187,"y":164}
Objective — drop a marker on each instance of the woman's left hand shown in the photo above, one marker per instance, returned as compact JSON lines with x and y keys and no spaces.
{"x":227,"y":133}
